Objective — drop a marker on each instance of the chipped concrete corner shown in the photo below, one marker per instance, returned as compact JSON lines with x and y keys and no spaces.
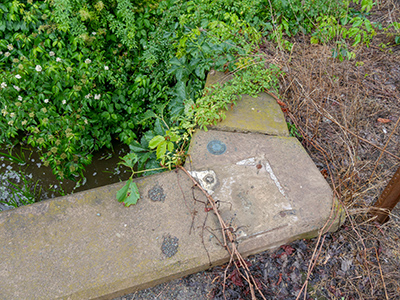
{"x":88,"y":246}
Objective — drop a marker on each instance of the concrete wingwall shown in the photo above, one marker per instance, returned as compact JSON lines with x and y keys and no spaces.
{"x":89,"y":246}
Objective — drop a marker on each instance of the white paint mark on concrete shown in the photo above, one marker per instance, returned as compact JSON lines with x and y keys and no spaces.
{"x":247,"y":162}
{"x":274,"y":179}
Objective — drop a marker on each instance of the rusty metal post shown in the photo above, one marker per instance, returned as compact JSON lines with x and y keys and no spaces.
{"x":388,"y":199}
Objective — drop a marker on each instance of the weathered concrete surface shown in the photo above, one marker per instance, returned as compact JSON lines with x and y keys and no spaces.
{"x":88,"y":246}
{"x":268,"y":187}
{"x":251,"y":114}
{"x":258,"y":115}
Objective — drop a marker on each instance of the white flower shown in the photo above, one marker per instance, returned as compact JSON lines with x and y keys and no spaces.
{"x":51,"y":53}
{"x":85,"y":121}
{"x":12,"y":115}
{"x":7,"y":54}
{"x":97,"y":96}
{"x":64,"y":102}
{"x":10,"y":122}
{"x":46,"y":100}
{"x":3,"y":85}
{"x":93,"y":33}
{"x":18,"y":76}
{"x":1,"y":52}
{"x":24,"y":122}
{"x":88,"y":61}
{"x":88,"y":96}
{"x":19,"y":98}
{"x":16,"y":87}
{"x":38,"y":68}
{"x":58,"y":59}
{"x":10,"y":47}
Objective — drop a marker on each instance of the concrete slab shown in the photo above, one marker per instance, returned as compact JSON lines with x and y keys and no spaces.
{"x":251,"y":114}
{"x":88,"y":246}
{"x":258,"y":115}
{"x":268,"y":187}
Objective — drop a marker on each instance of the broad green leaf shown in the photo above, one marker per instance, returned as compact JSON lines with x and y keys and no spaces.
{"x":161,"y":149}
{"x":155,"y":141}
{"x":130,"y":160}
{"x":133,"y":195}
{"x":158,"y":127}
{"x":129,"y":194}
{"x":121,"y":194}
{"x":170,"y":146}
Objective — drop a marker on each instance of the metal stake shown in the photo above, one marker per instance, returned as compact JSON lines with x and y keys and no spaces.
{"x":388,"y":199}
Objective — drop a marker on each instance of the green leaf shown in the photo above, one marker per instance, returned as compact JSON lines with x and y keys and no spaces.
{"x":148,"y":115}
{"x":170,"y":146}
{"x":136,"y":147}
{"x":129,"y":194}
{"x":130,"y":160}
{"x":121,"y":194}
{"x":159,"y":128}
{"x":155,"y":141}
{"x":161,"y":149}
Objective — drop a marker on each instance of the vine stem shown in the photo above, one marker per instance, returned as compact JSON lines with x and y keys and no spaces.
{"x":229,"y":243}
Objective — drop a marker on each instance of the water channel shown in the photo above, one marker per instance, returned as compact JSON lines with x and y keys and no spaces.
{"x":20,"y":182}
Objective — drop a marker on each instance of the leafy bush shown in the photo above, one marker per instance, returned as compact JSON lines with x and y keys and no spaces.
{"x":78,"y":74}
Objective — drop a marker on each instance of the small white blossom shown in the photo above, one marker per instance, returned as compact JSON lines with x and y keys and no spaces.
{"x":12,"y":115}
{"x":10,"y":122}
{"x":58,"y":59}
{"x":16,"y":87}
{"x":46,"y":100}
{"x":3,"y":85}
{"x":64,"y":102}
{"x":24,"y":122}
{"x":106,"y":68}
{"x":18,"y":76}
{"x":88,"y":96}
{"x":97,"y":96}
{"x":10,"y":47}
{"x":85,"y":121}
{"x":38,"y":68}
{"x":88,"y":61}
{"x":93,"y":33}
{"x":1,"y":52}
{"x":51,"y":53}
{"x":7,"y":54}
{"x":19,"y":98}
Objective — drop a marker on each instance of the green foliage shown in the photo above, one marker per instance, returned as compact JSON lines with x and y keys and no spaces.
{"x":170,"y":144}
{"x":77,"y":74}
{"x":129,"y":194}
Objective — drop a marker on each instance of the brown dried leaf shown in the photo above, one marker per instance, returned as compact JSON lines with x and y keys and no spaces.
{"x":382,"y":120}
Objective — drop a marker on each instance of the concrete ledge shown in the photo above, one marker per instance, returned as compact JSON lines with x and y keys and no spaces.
{"x":89,"y":246}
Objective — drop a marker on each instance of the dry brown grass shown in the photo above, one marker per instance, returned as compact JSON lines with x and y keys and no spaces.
{"x":336,"y":105}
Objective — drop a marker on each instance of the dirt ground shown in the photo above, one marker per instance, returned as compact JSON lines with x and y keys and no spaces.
{"x":347,"y":116}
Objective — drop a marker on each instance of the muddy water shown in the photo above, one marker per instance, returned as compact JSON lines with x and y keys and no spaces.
{"x":19,"y":181}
